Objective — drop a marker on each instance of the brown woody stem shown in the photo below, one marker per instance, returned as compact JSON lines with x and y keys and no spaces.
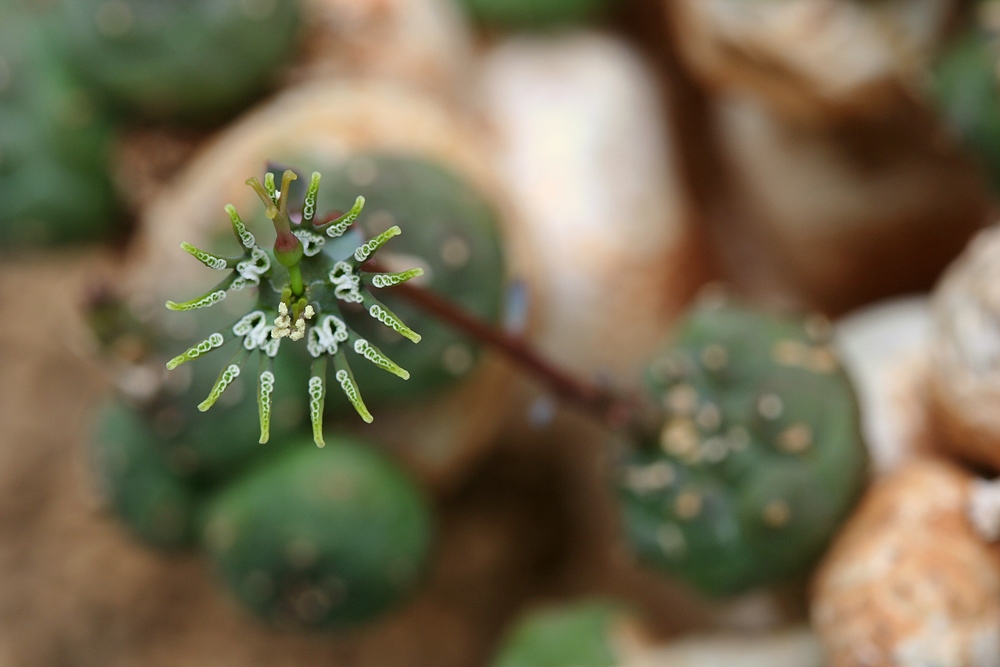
{"x":611,"y":408}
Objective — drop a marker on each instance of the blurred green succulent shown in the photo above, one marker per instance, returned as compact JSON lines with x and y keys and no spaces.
{"x":535,"y":13}
{"x":54,"y":142}
{"x":189,"y":59}
{"x":966,"y":88}
{"x":580,"y":634}
{"x":759,"y":457}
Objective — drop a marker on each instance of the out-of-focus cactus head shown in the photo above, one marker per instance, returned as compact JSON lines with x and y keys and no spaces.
{"x":54,"y":143}
{"x":320,"y":539}
{"x":759,"y":456}
{"x":966,"y":88}
{"x":592,"y":633}
{"x":138,"y":481}
{"x":185,"y":59}
{"x":303,"y":294}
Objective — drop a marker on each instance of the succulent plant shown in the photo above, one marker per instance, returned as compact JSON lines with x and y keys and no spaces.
{"x":967,"y":91}
{"x":320,"y":538}
{"x":54,"y":142}
{"x":535,"y":13}
{"x":584,"y":634}
{"x":302,"y":293}
{"x":759,"y":457}
{"x":135,"y":475}
{"x":185,"y":58}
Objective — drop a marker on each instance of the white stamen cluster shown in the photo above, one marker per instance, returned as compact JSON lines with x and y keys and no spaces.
{"x":283,"y":326}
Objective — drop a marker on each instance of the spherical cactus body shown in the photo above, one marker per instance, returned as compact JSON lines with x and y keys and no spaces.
{"x":760,"y":455}
{"x":188,"y":59}
{"x":593,"y":633}
{"x":967,"y":91}
{"x":136,"y":477}
{"x":53,"y":143}
{"x":320,"y":537}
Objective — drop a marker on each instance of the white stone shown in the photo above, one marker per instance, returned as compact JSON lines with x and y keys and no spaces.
{"x":584,"y":146}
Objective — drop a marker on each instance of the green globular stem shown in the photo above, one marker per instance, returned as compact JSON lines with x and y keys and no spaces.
{"x":759,"y":456}
{"x":216,"y":340}
{"x":339,"y":225}
{"x":321,"y":539}
{"x":206,"y":300}
{"x":269,"y":187}
{"x":375,"y":356}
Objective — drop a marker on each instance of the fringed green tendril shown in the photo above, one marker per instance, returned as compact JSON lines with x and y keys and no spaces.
{"x":378,"y":311}
{"x":210,"y":260}
{"x":265,"y":388}
{"x":213,"y":342}
{"x":226,"y":377}
{"x":306,"y":310}
{"x":392,"y":279}
{"x":309,"y":204}
{"x":317,"y":397}
{"x":339,"y":226}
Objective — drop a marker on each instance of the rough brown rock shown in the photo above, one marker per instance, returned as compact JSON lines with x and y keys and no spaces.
{"x":814,"y":60}
{"x":909,"y":583}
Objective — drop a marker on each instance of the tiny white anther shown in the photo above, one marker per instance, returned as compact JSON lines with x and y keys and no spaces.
{"x":283,"y":309}
{"x":300,"y":329}
{"x":309,"y":312}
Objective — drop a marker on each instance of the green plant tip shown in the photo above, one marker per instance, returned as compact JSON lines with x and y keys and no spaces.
{"x":313,"y":286}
